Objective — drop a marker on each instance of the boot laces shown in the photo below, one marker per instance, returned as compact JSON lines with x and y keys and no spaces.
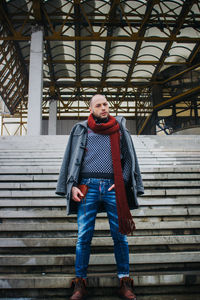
{"x":79,"y":283}
{"x":127,"y":282}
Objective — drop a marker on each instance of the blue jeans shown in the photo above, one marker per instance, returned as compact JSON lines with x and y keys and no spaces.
{"x":86,"y":215}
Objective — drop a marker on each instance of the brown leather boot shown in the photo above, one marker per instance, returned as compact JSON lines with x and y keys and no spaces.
{"x":125,"y":291}
{"x":79,"y":292}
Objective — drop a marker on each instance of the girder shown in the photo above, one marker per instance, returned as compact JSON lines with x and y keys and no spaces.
{"x":114,"y":47}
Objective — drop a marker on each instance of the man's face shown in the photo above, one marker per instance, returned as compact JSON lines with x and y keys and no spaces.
{"x":100,"y":107}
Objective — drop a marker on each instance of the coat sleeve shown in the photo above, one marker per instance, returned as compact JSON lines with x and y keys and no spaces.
{"x":138,"y":177}
{"x":137,"y":173}
{"x":63,"y":174}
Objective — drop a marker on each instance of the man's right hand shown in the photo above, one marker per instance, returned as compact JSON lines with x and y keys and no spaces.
{"x":76,"y":194}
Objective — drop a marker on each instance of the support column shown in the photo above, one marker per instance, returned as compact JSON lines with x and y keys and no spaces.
{"x":174,"y":117}
{"x":52,"y":117}
{"x":34,"y":122}
{"x":196,"y":115}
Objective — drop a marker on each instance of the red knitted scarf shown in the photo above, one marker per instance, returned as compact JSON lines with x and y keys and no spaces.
{"x":111,"y":128}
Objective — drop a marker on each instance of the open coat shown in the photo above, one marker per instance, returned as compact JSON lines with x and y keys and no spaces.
{"x":71,"y":165}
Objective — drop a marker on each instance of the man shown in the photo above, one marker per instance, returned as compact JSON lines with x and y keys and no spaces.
{"x":100,"y":155}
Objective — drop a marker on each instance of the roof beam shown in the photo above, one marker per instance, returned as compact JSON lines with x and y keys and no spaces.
{"x":96,"y":37}
{"x":136,"y":51}
{"x":194,"y":56}
{"x":8,"y":29}
{"x":6,"y":20}
{"x":177,"y":98}
{"x":37,"y":11}
{"x":111,"y":62}
{"x":77,"y":44}
{"x":140,"y":34}
{"x":19,"y":60}
{"x":180,"y":21}
{"x":93,"y":84}
{"x":111,"y":17}
{"x":167,"y":103}
{"x":40,"y":19}
{"x":179,"y":74}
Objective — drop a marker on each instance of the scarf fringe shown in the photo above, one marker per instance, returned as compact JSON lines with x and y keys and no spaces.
{"x":126,"y":226}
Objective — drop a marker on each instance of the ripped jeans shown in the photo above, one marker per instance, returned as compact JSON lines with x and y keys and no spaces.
{"x":86,"y":215}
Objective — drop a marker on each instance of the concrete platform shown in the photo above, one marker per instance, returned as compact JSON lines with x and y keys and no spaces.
{"x":37,"y":239}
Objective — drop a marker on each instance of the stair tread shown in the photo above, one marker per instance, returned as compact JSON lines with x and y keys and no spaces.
{"x":180,"y":201}
{"x":107,"y":280}
{"x":51,"y":185}
{"x":98,"y":259}
{"x":48,"y":226}
{"x":70,"y":241}
{"x":145,"y":212}
{"x":147,"y":177}
{"x":167,"y":221}
{"x":55,"y":170}
{"x":51,"y":192}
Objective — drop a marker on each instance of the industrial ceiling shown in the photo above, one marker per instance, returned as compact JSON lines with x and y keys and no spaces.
{"x":122,"y":49}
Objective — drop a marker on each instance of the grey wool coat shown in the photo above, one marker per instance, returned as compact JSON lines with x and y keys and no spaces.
{"x":71,"y":165}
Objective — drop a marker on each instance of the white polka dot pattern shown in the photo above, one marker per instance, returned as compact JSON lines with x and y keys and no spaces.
{"x":98,"y":157}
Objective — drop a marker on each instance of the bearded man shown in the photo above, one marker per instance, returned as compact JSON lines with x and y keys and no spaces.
{"x":100,"y":157}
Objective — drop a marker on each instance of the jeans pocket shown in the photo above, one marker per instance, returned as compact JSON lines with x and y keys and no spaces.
{"x":85,"y":181}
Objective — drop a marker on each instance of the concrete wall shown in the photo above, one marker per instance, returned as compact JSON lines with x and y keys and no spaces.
{"x":188,"y":131}
{"x":64,"y":126}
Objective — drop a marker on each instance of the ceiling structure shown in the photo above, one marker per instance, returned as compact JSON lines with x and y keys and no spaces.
{"x":122,"y":49}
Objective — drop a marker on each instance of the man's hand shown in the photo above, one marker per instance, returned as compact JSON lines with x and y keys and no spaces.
{"x":111,"y":188}
{"x":76,"y":193}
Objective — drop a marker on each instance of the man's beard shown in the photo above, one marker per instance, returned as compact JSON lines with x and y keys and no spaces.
{"x":99,"y":120}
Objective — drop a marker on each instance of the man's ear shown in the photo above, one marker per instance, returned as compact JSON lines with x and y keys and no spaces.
{"x":90,"y":109}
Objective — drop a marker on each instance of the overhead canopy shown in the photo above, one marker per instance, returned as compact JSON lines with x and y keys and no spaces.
{"x":115,"y":47}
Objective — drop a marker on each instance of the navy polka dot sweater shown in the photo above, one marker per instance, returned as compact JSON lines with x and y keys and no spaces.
{"x":97,"y":161}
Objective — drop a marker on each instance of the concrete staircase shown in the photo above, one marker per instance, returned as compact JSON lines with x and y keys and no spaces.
{"x":37,"y":240}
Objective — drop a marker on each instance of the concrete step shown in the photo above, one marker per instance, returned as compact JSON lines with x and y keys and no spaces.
{"x":63,"y":281}
{"x":171,"y":143}
{"x":51,"y":185}
{"x":31,"y":163}
{"x":55,"y":154}
{"x":35,"y":177}
{"x":37,"y":240}
{"x":147,"y":177}
{"x":114,"y":297}
{"x":112,"y":294}
{"x":169,"y":176}
{"x":6,"y":158}
{"x":104,"y":226}
{"x":145,"y":212}
{"x":96,"y":241}
{"x":98,"y":259}
{"x":150,"y":163}
{"x":48,"y":202}
{"x":55,"y":170}
{"x":51,"y":192}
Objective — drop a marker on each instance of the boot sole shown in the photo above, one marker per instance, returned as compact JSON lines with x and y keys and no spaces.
{"x":124,"y":298}
{"x":84,"y":298}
